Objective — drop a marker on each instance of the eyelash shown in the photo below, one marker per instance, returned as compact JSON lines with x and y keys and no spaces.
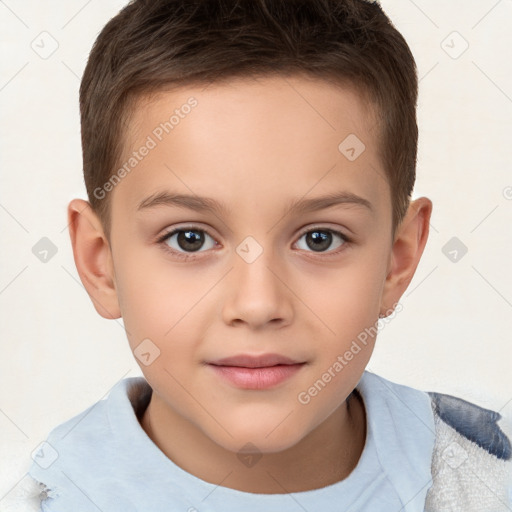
{"x":189,"y":256}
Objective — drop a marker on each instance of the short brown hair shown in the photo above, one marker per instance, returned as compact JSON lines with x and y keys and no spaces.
{"x":151,"y":45}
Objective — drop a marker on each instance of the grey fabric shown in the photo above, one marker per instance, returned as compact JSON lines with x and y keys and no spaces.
{"x":473,"y":422}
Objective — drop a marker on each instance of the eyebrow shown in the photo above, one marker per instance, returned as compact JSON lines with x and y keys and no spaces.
{"x":206,"y":204}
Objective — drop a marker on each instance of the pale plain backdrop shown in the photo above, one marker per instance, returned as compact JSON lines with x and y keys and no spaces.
{"x":453,"y":334}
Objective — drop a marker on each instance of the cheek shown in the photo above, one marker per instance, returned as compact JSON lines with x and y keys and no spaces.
{"x":346,"y":299}
{"x":146,"y":298}
{"x":159,"y":301}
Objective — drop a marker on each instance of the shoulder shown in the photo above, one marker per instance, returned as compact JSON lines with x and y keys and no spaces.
{"x":460,"y":445}
{"x":124,"y":400}
{"x":468,"y":420}
{"x":85,"y":446}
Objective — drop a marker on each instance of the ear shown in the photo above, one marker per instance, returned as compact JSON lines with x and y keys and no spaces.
{"x":93,"y":258}
{"x":408,"y":245}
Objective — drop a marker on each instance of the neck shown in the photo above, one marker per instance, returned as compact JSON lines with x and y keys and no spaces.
{"x":327,"y":455}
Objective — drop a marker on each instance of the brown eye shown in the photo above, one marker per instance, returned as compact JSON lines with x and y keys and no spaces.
{"x":186,"y":240}
{"x":320,"y":240}
{"x":190,"y":240}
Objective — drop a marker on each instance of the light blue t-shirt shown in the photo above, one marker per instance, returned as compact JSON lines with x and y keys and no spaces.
{"x":102,"y":460}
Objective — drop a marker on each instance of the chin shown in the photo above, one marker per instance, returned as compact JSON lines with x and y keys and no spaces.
{"x":258,"y":441}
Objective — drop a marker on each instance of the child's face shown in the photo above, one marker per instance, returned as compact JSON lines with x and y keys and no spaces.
{"x":264,"y":278}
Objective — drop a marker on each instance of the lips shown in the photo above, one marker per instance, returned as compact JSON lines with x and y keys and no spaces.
{"x":259,"y":361}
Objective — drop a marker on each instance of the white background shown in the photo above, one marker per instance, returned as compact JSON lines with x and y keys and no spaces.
{"x":453,"y":335}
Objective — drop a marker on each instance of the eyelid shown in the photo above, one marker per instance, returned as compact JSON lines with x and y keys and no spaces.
{"x":320,"y":227}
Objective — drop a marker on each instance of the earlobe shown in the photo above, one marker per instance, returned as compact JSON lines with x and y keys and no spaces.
{"x":93,"y":258}
{"x":408,"y":246}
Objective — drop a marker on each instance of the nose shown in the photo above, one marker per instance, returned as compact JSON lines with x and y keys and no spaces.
{"x":257,"y":293}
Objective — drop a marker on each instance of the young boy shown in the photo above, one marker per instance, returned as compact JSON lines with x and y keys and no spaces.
{"x":249,"y":166}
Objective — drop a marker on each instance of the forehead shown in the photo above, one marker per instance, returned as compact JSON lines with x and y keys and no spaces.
{"x":249,"y":140}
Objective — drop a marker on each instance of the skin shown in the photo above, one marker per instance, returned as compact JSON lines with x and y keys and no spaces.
{"x":255,"y":145}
